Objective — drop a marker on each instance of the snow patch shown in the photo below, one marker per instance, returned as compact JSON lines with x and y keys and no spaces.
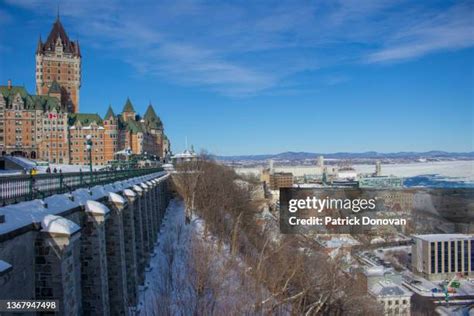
{"x":58,"y":225}
{"x":60,"y":203}
{"x":81,"y":196}
{"x":129,"y":192}
{"x":95,"y":207}
{"x":137,"y":188}
{"x":115,"y":198}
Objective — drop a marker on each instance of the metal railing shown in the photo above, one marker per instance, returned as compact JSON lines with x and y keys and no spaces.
{"x":19,"y":188}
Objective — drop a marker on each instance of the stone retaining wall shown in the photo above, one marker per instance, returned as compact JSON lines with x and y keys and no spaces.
{"x":88,"y":249}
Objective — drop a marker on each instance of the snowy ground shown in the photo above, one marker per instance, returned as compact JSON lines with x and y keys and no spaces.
{"x":42,"y":169}
{"x":445,"y":170}
{"x":190,"y":275}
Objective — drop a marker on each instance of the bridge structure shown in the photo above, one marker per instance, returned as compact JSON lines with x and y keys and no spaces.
{"x":88,"y":248}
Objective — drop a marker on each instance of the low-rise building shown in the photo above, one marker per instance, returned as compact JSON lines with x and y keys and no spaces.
{"x":276,"y":180}
{"x":394,"y":298}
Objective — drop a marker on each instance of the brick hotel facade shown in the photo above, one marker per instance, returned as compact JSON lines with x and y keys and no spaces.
{"x":48,"y":125}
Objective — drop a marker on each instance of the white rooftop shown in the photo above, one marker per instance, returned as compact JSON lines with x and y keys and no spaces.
{"x":443,"y":237}
{"x":387,"y":288}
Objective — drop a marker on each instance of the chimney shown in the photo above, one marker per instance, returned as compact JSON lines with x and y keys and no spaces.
{"x":9,"y":84}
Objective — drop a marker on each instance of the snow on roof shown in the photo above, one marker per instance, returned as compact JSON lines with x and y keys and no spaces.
{"x":149,"y":183}
{"x":4,"y":267}
{"x":58,"y":225}
{"x":374,"y":271}
{"x":387,"y":288}
{"x":443,"y":237}
{"x":338,"y":241}
{"x":129,"y":192}
{"x":144,"y":185}
{"x":137,"y":188}
{"x":95,"y":207}
{"x":114,"y":197}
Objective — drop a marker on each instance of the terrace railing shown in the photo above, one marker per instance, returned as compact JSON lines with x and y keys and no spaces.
{"x":14,"y":189}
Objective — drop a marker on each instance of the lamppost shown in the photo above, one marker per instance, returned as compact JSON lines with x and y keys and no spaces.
{"x":128,"y":152}
{"x":89,"y":150}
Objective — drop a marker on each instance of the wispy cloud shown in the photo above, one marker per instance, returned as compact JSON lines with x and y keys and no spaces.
{"x":450,"y":30}
{"x":241,"y":50}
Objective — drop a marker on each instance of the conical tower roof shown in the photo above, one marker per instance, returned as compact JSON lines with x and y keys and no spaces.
{"x":110,"y":114}
{"x":151,"y":119}
{"x":128,"y":107}
{"x":58,"y":32}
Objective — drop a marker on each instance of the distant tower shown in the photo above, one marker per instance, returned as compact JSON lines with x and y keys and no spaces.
{"x":320,"y":162}
{"x":270,"y":164}
{"x":325,"y":176}
{"x":59,"y":60}
{"x":378,"y":168}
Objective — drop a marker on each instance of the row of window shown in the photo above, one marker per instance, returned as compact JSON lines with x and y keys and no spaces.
{"x":455,"y":260}
{"x":51,"y":63}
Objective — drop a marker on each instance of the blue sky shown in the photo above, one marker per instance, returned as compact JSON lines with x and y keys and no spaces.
{"x":249,"y":77}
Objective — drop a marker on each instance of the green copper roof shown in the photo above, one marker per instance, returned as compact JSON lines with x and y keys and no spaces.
{"x":128,"y":107}
{"x":151,"y":119}
{"x":31,"y":102}
{"x":85,"y":118}
{"x":14,"y":90}
{"x":110,"y":113}
{"x":133,"y":126}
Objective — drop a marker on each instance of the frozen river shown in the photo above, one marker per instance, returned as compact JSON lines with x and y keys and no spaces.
{"x":458,"y":171}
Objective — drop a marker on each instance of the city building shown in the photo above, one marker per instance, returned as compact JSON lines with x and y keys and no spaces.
{"x":393,"y":297}
{"x":381,"y":182}
{"x":443,"y":256}
{"x":30,"y":125}
{"x":186,"y":156}
{"x":276,"y":180}
{"x":48,"y":126}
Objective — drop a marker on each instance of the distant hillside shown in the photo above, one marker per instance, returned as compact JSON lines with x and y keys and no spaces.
{"x":289,"y":155}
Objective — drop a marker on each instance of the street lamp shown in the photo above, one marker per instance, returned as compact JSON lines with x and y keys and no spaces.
{"x":89,"y":150}
{"x":128,"y":152}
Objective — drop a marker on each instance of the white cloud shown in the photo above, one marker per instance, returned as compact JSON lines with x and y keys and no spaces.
{"x":449,"y":30}
{"x":249,"y":49}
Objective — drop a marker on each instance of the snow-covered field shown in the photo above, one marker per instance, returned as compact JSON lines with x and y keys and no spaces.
{"x":446,"y":170}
